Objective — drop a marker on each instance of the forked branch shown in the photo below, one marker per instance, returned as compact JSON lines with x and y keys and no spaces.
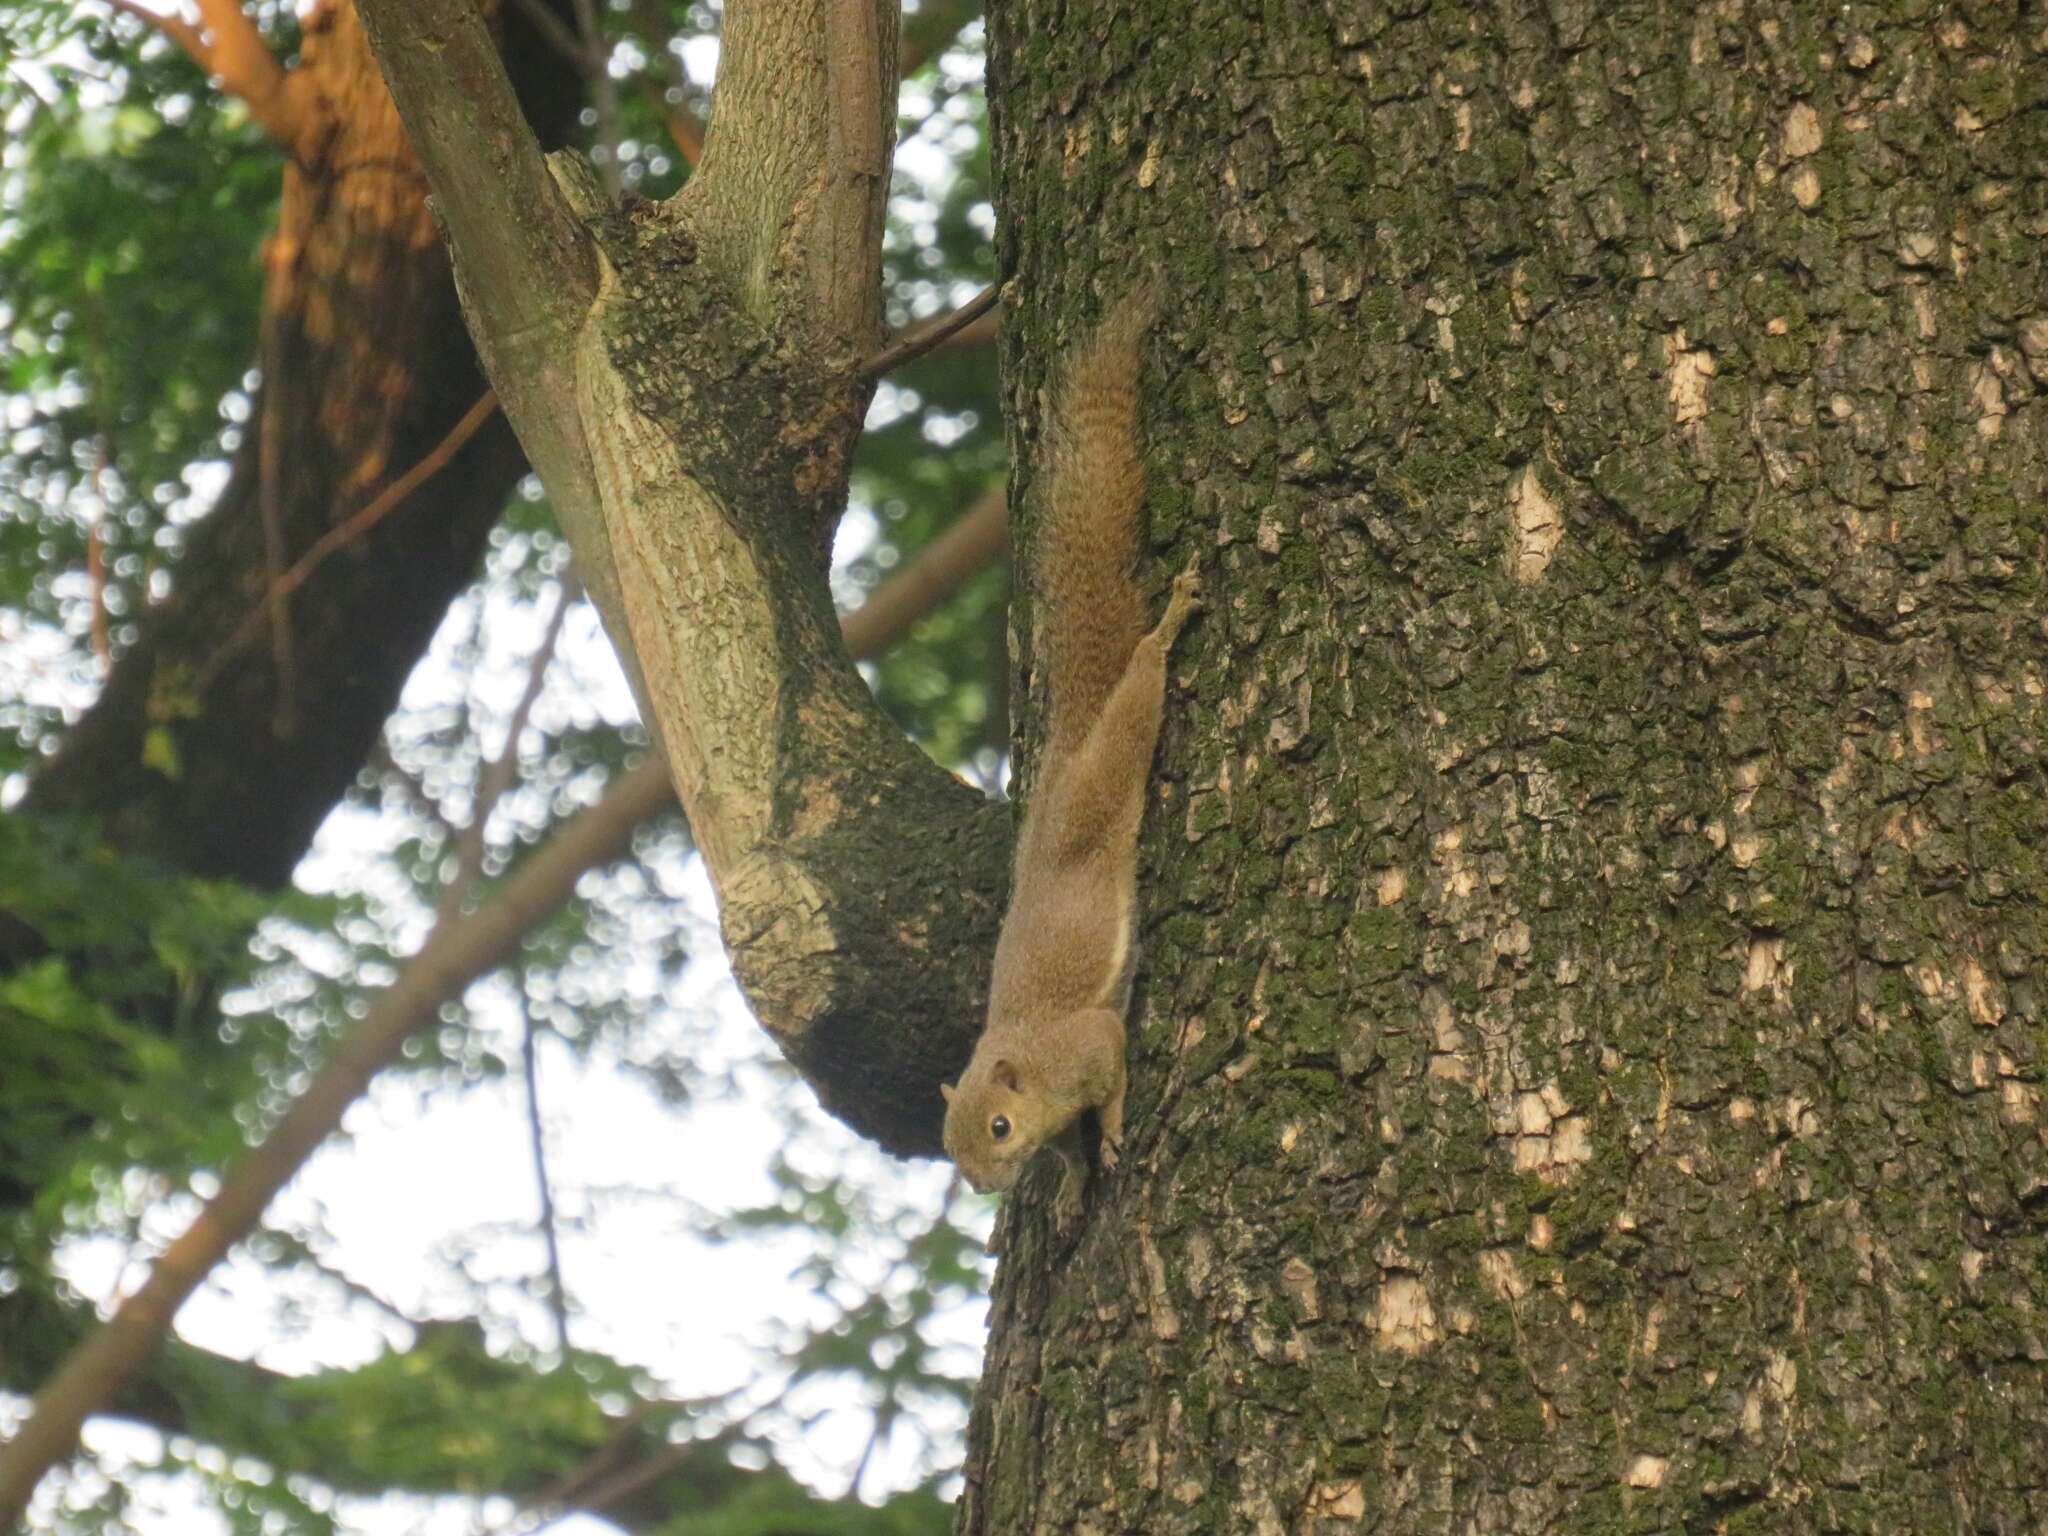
{"x":689,"y":378}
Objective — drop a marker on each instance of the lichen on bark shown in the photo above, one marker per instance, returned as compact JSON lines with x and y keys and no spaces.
{"x":1588,"y":1074}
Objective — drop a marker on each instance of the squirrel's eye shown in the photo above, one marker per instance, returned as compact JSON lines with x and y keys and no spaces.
{"x":999,"y":1127}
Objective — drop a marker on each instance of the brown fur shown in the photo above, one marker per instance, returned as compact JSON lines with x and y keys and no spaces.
{"x":1054,"y":1044}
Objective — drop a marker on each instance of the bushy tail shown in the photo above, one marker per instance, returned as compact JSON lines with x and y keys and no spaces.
{"x":1090,"y":611}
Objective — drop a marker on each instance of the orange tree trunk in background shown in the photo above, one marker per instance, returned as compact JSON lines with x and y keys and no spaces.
{"x":218,"y":746}
{"x":1589,"y":1069}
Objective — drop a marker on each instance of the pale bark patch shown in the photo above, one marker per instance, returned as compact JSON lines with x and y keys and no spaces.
{"x":2018,"y":1101}
{"x":1159,"y":1307}
{"x":1982,"y":993}
{"x":1781,"y":1376}
{"x":1804,"y":185}
{"x":1647,"y":1471}
{"x":1987,"y":394}
{"x":1919,"y":248}
{"x":1802,"y":131}
{"x":1148,"y":172}
{"x":1393,"y":885}
{"x":1539,"y":528}
{"x":1766,"y":970}
{"x":1503,"y":1276}
{"x":1448,"y":1060}
{"x":1337,"y":1501}
{"x":1550,"y":1141}
{"x":1687,"y":370}
{"x":1405,"y":1321}
{"x":1075,"y":145}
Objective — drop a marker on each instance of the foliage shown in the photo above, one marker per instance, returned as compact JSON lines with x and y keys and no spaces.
{"x":151,"y":1025}
{"x":102,"y":943}
{"x":133,"y":206}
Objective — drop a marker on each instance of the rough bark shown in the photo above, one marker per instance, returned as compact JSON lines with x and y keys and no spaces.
{"x":222,"y":758}
{"x":1596,"y":928}
{"x":694,"y":417}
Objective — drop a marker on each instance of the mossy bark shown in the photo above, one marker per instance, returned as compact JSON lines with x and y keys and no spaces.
{"x":1588,"y":1069}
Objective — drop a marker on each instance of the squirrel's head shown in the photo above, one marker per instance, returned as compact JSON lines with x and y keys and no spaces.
{"x":994,"y":1122}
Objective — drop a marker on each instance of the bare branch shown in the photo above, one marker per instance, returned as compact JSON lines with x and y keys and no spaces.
{"x":558,"y":1292}
{"x":508,"y":226}
{"x":604,"y":91}
{"x":813,"y":177}
{"x":379,"y":507}
{"x":522,"y":259}
{"x":916,"y":340}
{"x":496,"y":776}
{"x":977,"y":539}
{"x":247,"y":69}
{"x":716,"y":505}
{"x":458,"y":952}
{"x":519,"y":250}
{"x":454,"y":955}
{"x":176,"y":28}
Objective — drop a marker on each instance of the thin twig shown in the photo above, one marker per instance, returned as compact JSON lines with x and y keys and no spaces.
{"x":557,"y":34}
{"x":496,"y":776}
{"x":380,"y":507}
{"x":456,"y":953}
{"x":558,"y":1293}
{"x":604,"y":91}
{"x":918,"y":339}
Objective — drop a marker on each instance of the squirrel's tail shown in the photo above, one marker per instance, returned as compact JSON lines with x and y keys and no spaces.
{"x":1090,"y":613}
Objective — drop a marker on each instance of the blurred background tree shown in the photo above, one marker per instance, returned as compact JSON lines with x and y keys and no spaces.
{"x":292,"y":664}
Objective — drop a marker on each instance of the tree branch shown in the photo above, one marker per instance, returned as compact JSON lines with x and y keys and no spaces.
{"x":978,"y":538}
{"x":235,"y":55}
{"x":248,"y":70}
{"x":537,"y":1142}
{"x":176,"y":28}
{"x":523,"y":262}
{"x":281,"y":586}
{"x":916,"y":340}
{"x":456,"y":953}
{"x":717,"y":400}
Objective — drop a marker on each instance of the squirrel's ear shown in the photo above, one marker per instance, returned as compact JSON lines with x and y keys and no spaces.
{"x":946,"y":1092}
{"x":1005,"y":1074}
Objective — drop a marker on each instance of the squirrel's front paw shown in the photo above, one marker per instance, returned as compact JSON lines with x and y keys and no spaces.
{"x":1109,"y":1151}
{"x":1182,"y":604}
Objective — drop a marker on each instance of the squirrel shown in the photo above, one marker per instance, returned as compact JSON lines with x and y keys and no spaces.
{"x":1053,"y":1046}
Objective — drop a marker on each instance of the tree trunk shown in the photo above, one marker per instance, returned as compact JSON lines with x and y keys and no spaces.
{"x":1589,"y":1076}
{"x":215,"y":746}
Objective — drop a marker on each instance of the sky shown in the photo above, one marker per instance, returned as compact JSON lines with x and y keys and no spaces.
{"x":429,"y":1191}
{"x":430,"y":1197}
